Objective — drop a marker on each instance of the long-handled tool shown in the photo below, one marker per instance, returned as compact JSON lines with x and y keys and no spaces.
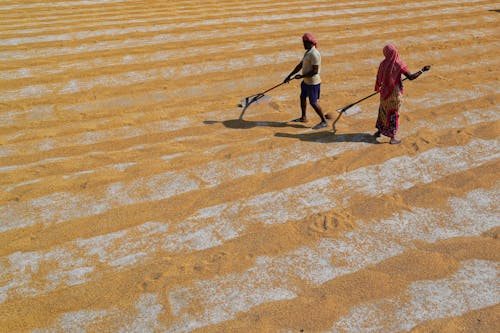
{"x":345,"y":108}
{"x":247,"y":101}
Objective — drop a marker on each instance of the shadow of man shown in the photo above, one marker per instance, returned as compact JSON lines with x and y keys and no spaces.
{"x":329,"y":137}
{"x":246,"y":124}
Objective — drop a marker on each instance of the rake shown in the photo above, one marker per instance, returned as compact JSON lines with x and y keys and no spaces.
{"x":247,"y":101}
{"x":345,"y":108}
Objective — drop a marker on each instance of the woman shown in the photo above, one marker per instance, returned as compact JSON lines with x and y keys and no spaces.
{"x":390,"y":87}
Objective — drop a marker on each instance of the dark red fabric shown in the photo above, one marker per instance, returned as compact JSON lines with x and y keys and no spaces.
{"x":309,"y":37}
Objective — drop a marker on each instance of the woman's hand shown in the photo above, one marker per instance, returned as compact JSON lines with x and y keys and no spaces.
{"x":413,"y":76}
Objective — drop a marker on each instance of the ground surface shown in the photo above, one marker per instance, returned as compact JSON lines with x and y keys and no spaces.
{"x":133,"y":199}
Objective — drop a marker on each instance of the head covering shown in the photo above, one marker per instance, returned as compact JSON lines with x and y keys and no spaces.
{"x":389,"y":71}
{"x":309,"y":37}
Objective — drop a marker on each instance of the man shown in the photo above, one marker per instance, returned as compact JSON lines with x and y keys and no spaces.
{"x":310,"y":86}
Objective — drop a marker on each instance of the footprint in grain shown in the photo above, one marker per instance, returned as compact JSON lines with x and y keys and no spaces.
{"x":331,"y":223}
{"x":149,"y":280}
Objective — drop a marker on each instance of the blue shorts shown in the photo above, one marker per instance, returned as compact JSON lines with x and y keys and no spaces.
{"x":311,"y":92}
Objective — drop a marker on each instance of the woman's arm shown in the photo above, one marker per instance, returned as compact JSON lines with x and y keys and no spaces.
{"x":413,"y":76}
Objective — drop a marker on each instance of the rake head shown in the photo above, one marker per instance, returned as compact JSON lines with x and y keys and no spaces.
{"x":255,"y":99}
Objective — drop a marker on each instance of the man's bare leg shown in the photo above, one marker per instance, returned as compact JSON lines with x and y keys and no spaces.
{"x":319,"y":112}
{"x":303,"y":108}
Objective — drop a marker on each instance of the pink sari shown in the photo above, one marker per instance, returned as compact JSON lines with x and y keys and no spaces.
{"x":391,"y":91}
{"x":389,"y":72}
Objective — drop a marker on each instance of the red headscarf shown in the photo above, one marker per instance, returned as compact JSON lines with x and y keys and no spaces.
{"x":389,"y":71}
{"x":309,"y":37}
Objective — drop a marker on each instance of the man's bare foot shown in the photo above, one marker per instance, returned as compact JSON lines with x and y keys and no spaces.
{"x":322,"y":124}
{"x":394,"y":141}
{"x":376,"y":134}
{"x":300,"y":120}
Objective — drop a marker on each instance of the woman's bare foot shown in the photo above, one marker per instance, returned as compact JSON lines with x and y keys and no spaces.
{"x":394,"y":141}
{"x":300,"y":120}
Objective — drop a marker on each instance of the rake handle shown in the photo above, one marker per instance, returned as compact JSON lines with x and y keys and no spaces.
{"x":280,"y":84}
{"x":276,"y":86}
{"x":260,"y":95}
{"x":344,"y":109}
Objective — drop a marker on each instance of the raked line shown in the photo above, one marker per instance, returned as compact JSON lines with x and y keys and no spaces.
{"x":42,"y":90}
{"x":38,"y":71}
{"x":202,"y":68}
{"x":212,"y":174}
{"x":470,"y":285}
{"x":212,"y":226}
{"x":274,"y":278}
{"x":468,"y":117}
{"x":118,"y":192}
{"x":88,"y":138}
{"x":183,"y":24}
{"x":474,"y":286}
{"x":159,"y":15}
{"x":204,"y":35}
{"x":58,"y":4}
{"x":297,"y":14}
{"x":46,"y":111}
{"x":215,"y":172}
{"x":142,"y":14}
{"x":148,"y":309}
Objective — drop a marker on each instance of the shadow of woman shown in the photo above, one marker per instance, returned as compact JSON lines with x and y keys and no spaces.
{"x":329,"y":137}
{"x":246,"y":124}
